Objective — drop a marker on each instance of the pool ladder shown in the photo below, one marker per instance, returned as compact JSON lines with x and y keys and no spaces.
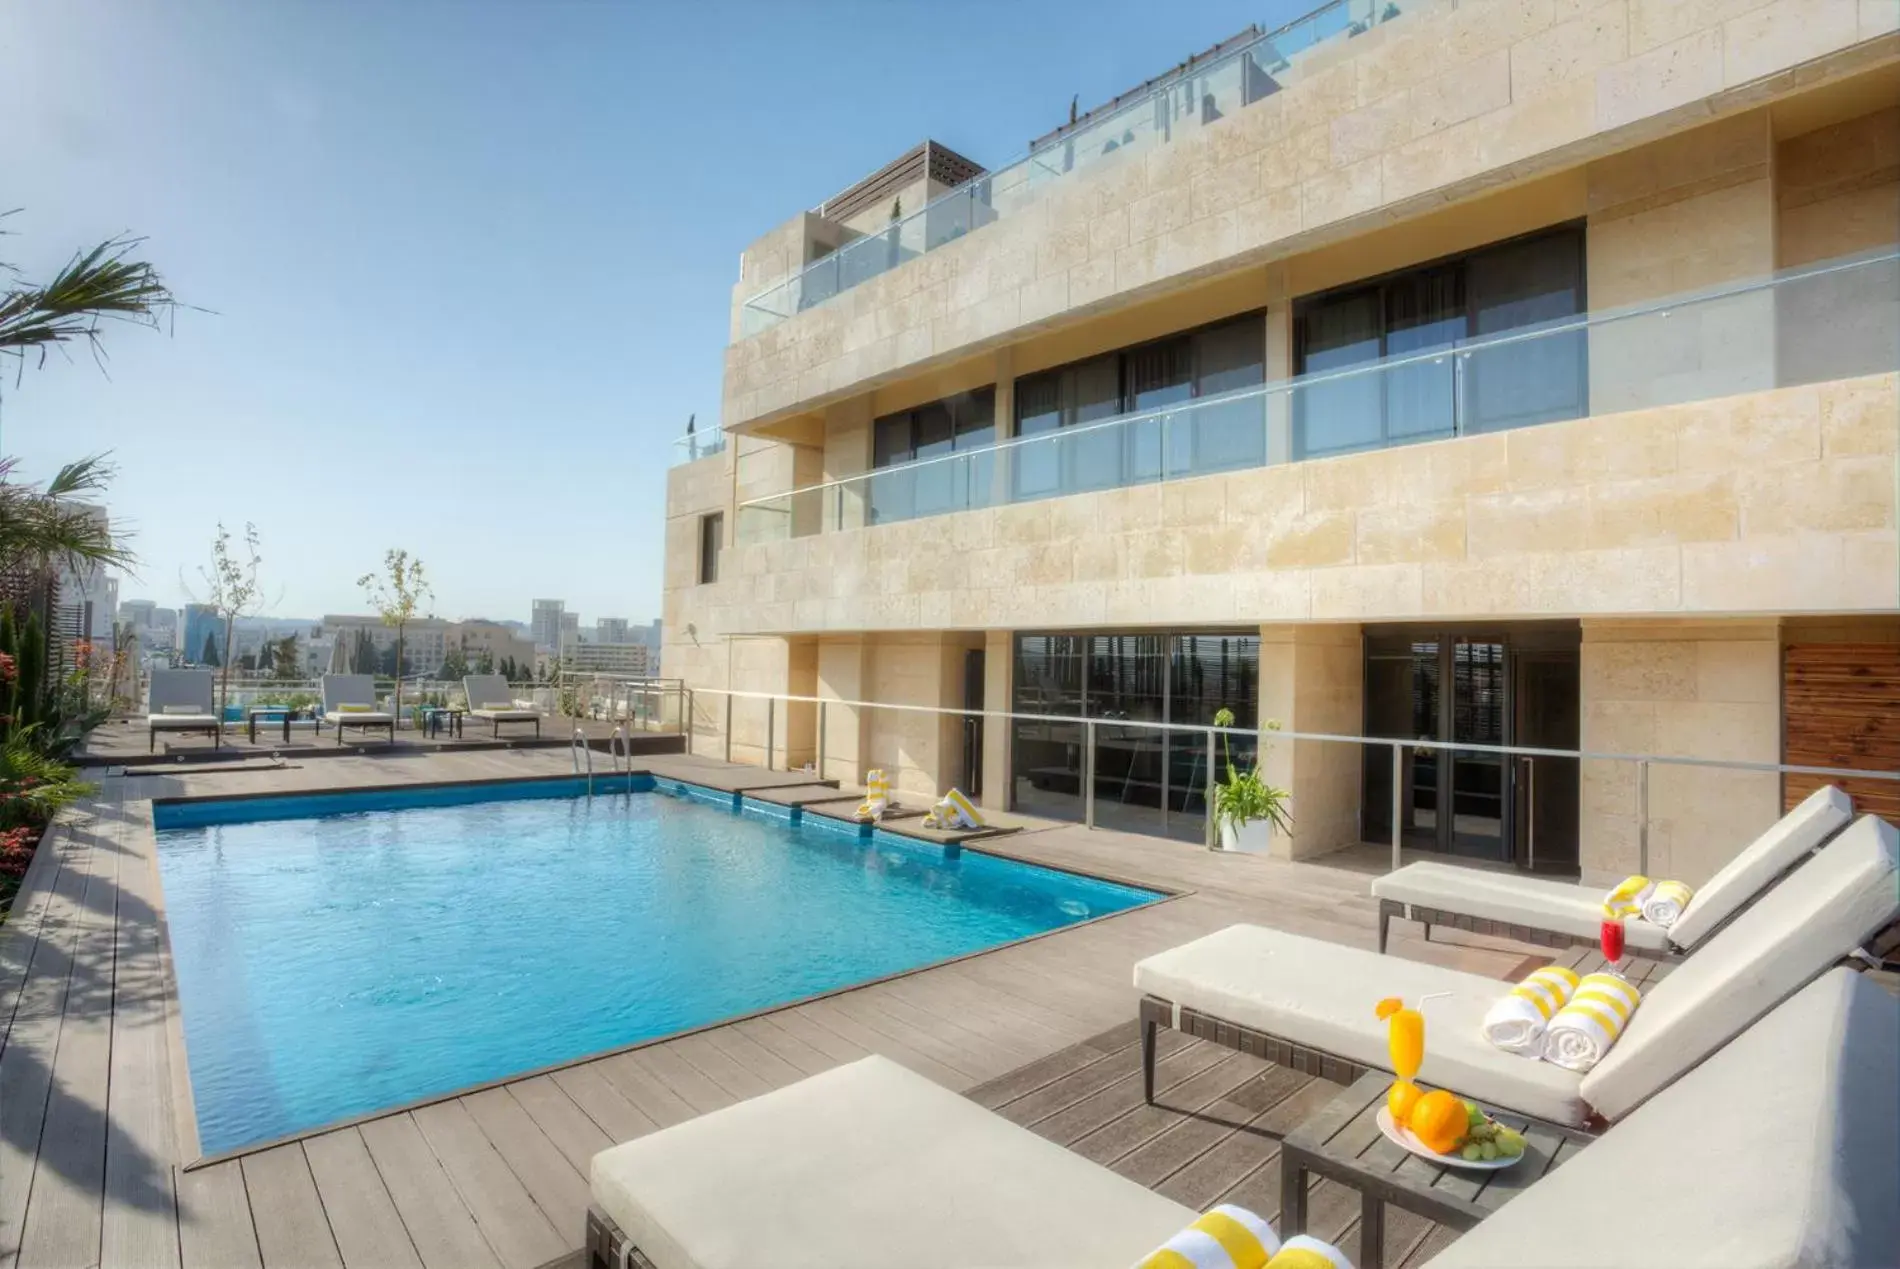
{"x":619,"y":750}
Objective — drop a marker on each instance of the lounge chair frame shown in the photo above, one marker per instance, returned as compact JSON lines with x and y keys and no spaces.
{"x":213,"y":730}
{"x":343,"y":722}
{"x":607,"y":1245}
{"x":497,"y":722}
{"x":1557,"y":939}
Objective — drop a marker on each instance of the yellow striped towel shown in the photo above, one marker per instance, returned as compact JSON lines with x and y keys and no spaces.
{"x":1665,"y":903}
{"x":1225,"y":1237}
{"x":877,"y":796}
{"x":1517,"y":1021}
{"x":1626,"y":899}
{"x":1303,"y":1252}
{"x":955,"y":811}
{"x":1586,"y":1027}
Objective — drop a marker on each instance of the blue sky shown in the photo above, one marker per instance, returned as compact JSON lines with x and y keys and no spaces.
{"x":470,"y":264}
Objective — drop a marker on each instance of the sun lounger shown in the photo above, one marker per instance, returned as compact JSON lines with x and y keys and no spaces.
{"x":349,"y":700}
{"x":1783,"y":1149}
{"x":1561,"y":914}
{"x":1793,"y":1125}
{"x":865,"y":1166}
{"x":1309,"y":1004}
{"x":489,"y":697}
{"x":183,"y":701}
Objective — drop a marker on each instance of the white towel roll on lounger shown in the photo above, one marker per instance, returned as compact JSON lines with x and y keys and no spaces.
{"x":1586,"y":1027}
{"x":1516,"y":1023}
{"x":1625,"y":900}
{"x":1665,"y":903}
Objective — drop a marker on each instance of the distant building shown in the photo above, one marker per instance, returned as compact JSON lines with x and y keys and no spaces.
{"x":201,"y":622}
{"x":425,"y":641}
{"x":544,"y":623}
{"x":611,"y":630}
{"x":500,"y":642}
{"x":608,"y":658}
{"x":570,"y":632}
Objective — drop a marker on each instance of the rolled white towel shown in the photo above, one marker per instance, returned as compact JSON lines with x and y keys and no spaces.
{"x":1590,"y":1022}
{"x":1665,"y":903}
{"x":1626,"y":897}
{"x":1516,"y":1023}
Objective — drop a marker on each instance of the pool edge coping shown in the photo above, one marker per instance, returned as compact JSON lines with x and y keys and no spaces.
{"x":184,"y":1104}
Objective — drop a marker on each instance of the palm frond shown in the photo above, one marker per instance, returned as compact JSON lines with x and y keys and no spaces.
{"x":105,"y":282}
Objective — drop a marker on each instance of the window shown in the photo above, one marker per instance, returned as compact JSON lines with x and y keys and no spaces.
{"x":1146,"y":780}
{"x":953,"y":425}
{"x":1514,"y":286}
{"x":1178,"y":371}
{"x":712,"y":536}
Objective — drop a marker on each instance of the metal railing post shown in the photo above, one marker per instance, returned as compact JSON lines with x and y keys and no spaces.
{"x":1210,"y":837}
{"x":1088,"y":774}
{"x":1642,"y":816}
{"x":821,"y":740}
{"x":728,"y":727}
{"x":1530,"y":811}
{"x":1398,"y":798}
{"x":771,"y":728}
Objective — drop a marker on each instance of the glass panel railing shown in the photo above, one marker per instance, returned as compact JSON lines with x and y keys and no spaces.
{"x":697,"y":445}
{"x":1182,"y":103}
{"x":1835,"y":320}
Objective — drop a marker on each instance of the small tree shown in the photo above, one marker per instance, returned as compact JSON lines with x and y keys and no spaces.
{"x":265,"y":662}
{"x":454,"y":664}
{"x":398,"y":594}
{"x":231,"y":591}
{"x":485,"y":662}
{"x":288,"y":658}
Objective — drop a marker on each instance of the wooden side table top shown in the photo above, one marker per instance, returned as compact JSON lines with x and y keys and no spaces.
{"x":1342,"y":1141}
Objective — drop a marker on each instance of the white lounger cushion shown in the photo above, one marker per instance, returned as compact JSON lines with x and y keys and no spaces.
{"x":871,"y":1165}
{"x":1781,"y":1150}
{"x":1824,"y":910}
{"x":510,"y":714}
{"x":1538,"y":902}
{"x":1578,"y":910}
{"x":1821,"y":814}
{"x":358,"y":716}
{"x":162,"y":721}
{"x":1323,"y":995}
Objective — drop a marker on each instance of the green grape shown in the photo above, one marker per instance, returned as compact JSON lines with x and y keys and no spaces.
{"x":1510,"y":1147}
{"x":1472,"y":1151}
{"x":1489,"y":1150}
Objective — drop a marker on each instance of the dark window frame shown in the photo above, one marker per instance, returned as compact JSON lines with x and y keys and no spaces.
{"x":712,"y":541}
{"x":1380,"y":287}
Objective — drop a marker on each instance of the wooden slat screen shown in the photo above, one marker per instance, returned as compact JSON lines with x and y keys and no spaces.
{"x":1841,"y":702}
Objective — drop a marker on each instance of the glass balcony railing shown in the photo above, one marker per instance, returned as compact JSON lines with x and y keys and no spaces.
{"x":1823,"y":322}
{"x":697,"y":445}
{"x":1177,"y":106}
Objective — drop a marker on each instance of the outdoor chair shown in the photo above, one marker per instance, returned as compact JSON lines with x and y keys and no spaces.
{"x":1310,"y":1004}
{"x":490,"y":698}
{"x":1780,"y":1150}
{"x":349,"y":700}
{"x":1553,"y":913}
{"x":183,"y":701}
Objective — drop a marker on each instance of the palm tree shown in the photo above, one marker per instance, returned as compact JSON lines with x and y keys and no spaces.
{"x":102,"y":283}
{"x":40,"y":527}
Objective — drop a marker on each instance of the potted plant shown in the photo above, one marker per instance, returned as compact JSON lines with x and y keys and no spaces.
{"x":1246,"y":807}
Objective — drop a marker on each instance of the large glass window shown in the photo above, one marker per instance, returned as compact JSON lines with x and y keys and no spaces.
{"x":1515,"y":286}
{"x":956,"y":424}
{"x":1171,"y":377}
{"x":1147,"y":779}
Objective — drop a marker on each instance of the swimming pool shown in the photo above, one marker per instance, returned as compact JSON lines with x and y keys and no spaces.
{"x":345,"y":953}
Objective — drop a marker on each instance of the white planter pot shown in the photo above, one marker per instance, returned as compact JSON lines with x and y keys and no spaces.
{"x":1251,"y":838}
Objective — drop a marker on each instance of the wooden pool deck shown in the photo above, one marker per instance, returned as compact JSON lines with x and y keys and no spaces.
{"x":97,"y":1149}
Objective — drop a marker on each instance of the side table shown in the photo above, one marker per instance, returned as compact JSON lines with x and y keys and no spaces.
{"x":1342,"y":1142}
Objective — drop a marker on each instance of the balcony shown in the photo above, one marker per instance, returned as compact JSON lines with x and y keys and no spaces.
{"x":1173,"y":106}
{"x":1832,"y":321}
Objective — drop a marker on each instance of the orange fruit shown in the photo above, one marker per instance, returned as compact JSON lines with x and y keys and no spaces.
{"x":1439,"y":1120}
{"x":1400,"y":1099}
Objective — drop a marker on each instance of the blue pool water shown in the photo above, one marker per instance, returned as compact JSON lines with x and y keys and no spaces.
{"x":345,"y":953}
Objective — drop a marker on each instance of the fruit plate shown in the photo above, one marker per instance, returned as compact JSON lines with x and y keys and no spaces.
{"x":1403,"y":1137}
